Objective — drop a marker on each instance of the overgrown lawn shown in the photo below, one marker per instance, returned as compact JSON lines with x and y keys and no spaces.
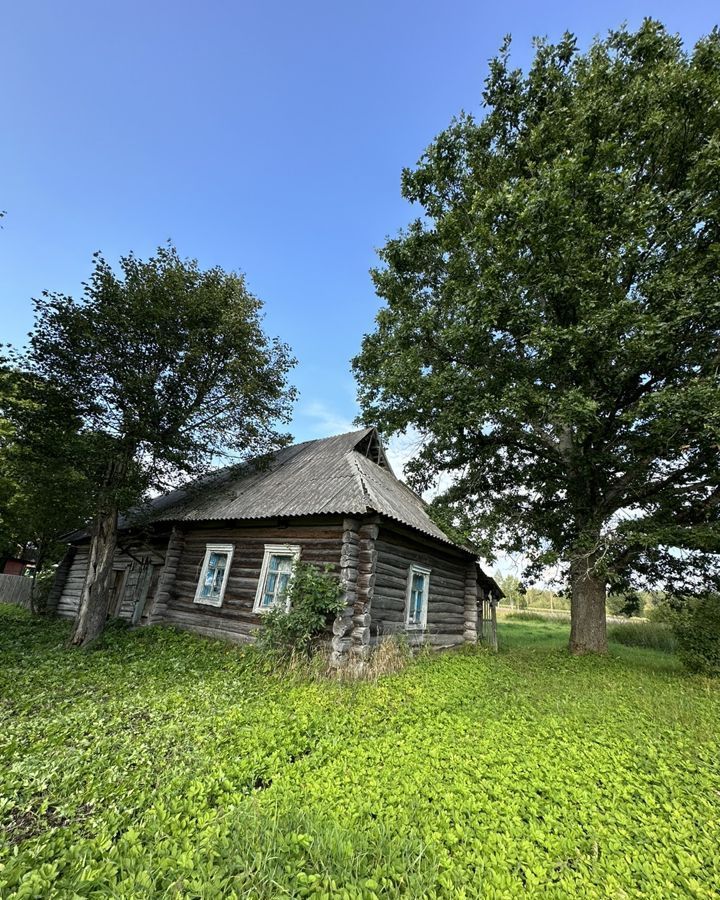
{"x":166,"y":765}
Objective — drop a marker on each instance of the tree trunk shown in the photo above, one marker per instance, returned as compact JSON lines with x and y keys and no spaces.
{"x":95,"y":597}
{"x":588,"y":629}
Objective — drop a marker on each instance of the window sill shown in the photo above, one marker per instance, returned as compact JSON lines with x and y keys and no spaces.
{"x":200,"y":601}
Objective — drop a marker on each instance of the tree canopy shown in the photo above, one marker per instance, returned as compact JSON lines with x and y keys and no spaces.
{"x":44,"y":483}
{"x":552,"y":320}
{"x":168,"y":370}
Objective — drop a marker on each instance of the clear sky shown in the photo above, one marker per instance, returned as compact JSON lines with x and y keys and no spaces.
{"x":262,"y":137}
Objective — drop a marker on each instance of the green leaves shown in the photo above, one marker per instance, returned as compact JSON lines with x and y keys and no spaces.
{"x":166,"y":361}
{"x":314,"y":595}
{"x":551,"y":324}
{"x":45,"y":463}
{"x":164,"y":764}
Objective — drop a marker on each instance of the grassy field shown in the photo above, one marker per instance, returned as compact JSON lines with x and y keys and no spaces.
{"x":162,"y":765}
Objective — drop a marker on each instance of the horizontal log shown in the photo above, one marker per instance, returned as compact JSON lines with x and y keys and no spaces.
{"x":447,"y":623}
{"x":199,"y":613}
{"x":401,"y":567}
{"x":388,"y":615}
{"x":385,"y":602}
{"x":398,"y":535}
{"x":234,"y":636}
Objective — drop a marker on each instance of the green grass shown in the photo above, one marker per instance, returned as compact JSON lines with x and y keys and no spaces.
{"x":527,"y":615}
{"x":655,"y":635}
{"x":163,"y":765}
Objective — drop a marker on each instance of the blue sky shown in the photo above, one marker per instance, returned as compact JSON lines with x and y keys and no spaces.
{"x":262,"y":137}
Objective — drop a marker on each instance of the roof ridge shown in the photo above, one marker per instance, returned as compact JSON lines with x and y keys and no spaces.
{"x":357,"y":471}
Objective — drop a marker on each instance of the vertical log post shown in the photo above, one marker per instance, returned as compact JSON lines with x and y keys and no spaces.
{"x":176,"y":542}
{"x":470,"y":634}
{"x":367,"y":558}
{"x":343,"y":624}
{"x":493,"y":621}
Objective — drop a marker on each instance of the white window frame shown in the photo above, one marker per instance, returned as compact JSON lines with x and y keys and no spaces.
{"x":273,"y":550}
{"x":417,"y":570}
{"x":214,"y":548}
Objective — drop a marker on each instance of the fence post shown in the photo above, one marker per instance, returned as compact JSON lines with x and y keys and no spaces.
{"x":493,"y":621}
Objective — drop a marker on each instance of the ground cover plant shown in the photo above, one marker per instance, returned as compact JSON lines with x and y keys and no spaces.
{"x":162,"y":764}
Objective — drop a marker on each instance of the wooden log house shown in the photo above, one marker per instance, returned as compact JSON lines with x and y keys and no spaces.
{"x":212,"y":558}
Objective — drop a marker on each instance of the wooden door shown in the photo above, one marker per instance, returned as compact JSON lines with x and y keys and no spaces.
{"x":117,"y":591}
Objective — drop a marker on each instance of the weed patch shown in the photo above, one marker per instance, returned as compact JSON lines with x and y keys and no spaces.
{"x":165,"y":765}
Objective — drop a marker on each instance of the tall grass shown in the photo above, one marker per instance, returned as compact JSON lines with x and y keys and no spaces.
{"x":651,"y":635}
{"x":527,"y":615}
{"x":391,"y":654}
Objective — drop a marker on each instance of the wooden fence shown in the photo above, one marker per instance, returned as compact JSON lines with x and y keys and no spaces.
{"x":15,"y":589}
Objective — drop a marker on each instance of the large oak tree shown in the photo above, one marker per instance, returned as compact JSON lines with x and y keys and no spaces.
{"x":168,"y":369}
{"x":552,"y":320}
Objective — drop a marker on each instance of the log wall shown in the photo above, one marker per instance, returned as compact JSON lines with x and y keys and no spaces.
{"x":69,"y":599}
{"x":61,"y":575}
{"x":450,"y":597}
{"x":320,"y":543}
{"x":135,"y":583}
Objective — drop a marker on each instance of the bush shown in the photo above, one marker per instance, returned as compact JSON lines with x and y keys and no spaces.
{"x":313,"y":596}
{"x":697,"y":628}
{"x":652,"y":635}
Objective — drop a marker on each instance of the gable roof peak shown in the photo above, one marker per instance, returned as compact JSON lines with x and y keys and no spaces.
{"x":346,"y":474}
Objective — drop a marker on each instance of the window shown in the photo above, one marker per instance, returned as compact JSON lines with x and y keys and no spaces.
{"x":417,"y":597}
{"x":214,"y":574}
{"x":275,"y":575}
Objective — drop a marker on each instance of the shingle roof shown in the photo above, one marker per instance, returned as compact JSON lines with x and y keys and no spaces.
{"x":332,"y":475}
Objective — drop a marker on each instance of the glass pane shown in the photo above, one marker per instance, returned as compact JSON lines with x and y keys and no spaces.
{"x":416,"y":604}
{"x":219,"y":576}
{"x":278,"y":576}
{"x":214,"y":575}
{"x":415,"y":607}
